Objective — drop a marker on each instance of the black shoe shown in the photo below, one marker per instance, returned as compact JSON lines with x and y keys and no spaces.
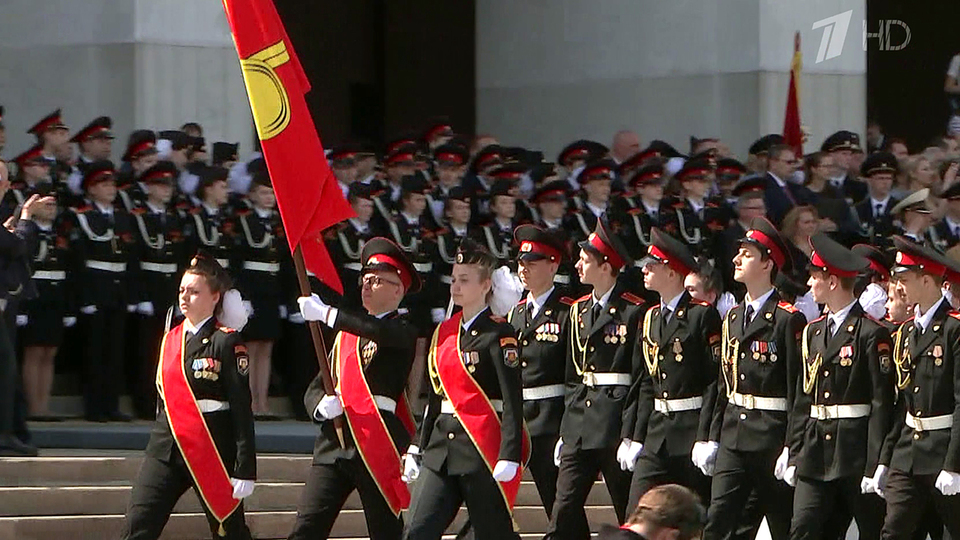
{"x":117,"y":416}
{"x":12,"y":446}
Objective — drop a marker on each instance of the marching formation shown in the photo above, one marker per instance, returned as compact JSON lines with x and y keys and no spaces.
{"x":778,"y":339}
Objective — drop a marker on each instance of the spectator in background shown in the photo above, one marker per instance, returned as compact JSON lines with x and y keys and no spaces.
{"x":625,"y":144}
{"x":898,"y":147}
{"x":876,"y":140}
{"x":667,"y":512}
{"x":798,"y":226}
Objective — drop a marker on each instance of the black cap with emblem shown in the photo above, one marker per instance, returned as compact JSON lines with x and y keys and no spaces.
{"x":766,"y":237}
{"x":879,"y":162}
{"x":917,"y":257}
{"x":833,"y":258}
{"x":666,"y":249}
{"x":471,"y":252}
{"x":537,"y":244}
{"x":879,"y":262}
{"x":224,"y":152}
{"x":380,"y":254}
{"x":605,"y":245}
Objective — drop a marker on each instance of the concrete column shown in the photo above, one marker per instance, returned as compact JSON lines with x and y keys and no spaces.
{"x":550,"y":71}
{"x":147,"y":64}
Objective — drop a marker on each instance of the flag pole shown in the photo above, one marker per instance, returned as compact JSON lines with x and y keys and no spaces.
{"x":319,"y":346}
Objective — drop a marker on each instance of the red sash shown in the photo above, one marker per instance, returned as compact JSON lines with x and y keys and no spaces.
{"x":474,"y":410}
{"x":370,"y":433}
{"x":210,"y":476}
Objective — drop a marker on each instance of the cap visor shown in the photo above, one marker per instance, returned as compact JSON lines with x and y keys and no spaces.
{"x":530,"y":256}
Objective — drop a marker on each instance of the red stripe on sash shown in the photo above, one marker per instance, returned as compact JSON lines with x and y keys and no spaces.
{"x":474,"y":410}
{"x":369,"y":431}
{"x":210,"y":475}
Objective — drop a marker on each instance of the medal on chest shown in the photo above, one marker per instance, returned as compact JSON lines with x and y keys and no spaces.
{"x":548,"y":332}
{"x":470,"y":359}
{"x":846,"y":355}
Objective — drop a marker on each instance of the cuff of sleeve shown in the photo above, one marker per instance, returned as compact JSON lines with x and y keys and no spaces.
{"x":331,"y":318}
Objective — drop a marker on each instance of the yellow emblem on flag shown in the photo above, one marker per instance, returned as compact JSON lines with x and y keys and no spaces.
{"x":268,"y":97}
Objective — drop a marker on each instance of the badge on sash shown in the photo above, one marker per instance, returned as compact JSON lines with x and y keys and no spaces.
{"x":368,"y":351}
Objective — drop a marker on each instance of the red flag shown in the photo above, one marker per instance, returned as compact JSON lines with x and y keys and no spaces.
{"x":308,"y":195}
{"x":791,"y":120}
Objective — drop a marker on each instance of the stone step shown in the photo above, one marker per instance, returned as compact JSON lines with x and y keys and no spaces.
{"x":263,"y":525}
{"x":268,"y":497}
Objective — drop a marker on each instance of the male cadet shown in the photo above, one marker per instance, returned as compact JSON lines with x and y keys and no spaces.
{"x":550,"y":200}
{"x":95,"y":141}
{"x":159,"y":248}
{"x":449,"y":163}
{"x":541,"y":320}
{"x":680,"y":345}
{"x":874,"y":211}
{"x":601,"y":365}
{"x":372,"y":355}
{"x":103,"y":244}
{"x":456,"y":228}
{"x":478,"y":182}
{"x":914,"y":215}
{"x":844,"y":403}
{"x":696,"y":218}
{"x":760,"y":366}
{"x":399,"y":163}
{"x":407,"y":231}
{"x":345,"y":241}
{"x":343,"y":163}
{"x":842,"y":145}
{"x":595,"y":179}
{"x":497,"y":235}
{"x":52,"y":134}
{"x":209,"y":225}
{"x":920,"y":460}
{"x":141,"y":154}
{"x":946,"y":232}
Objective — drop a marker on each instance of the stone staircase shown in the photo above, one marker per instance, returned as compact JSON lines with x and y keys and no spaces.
{"x":83,"y":494}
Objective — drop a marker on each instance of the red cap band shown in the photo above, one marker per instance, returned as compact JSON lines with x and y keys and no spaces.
{"x":607,"y":251}
{"x":698,"y":172}
{"x":139,"y":148}
{"x":449,"y":157}
{"x":401,"y":269}
{"x":486,"y":158}
{"x":879,"y":268}
{"x":662,"y":256}
{"x":817,"y":261}
{"x":767,"y":242}
{"x":101,"y":176}
{"x":437,"y":129}
{"x":396,"y":158}
{"x":644,"y":178}
{"x":551,"y":193}
{"x":543,"y":249}
{"x":928,"y":266}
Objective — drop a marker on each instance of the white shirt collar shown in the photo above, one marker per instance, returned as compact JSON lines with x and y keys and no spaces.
{"x":467,"y":324}
{"x":194,"y":329}
{"x":951,"y":224}
{"x":156,"y":209}
{"x":43,"y":227}
{"x":597,"y":211}
{"x":923,"y":321}
{"x":553,"y":224}
{"x":263,"y":213}
{"x":360,"y":227}
{"x":650,"y":209}
{"x":104,"y":209}
{"x":534,"y":304}
{"x":695,"y":205}
{"x":780,"y":182}
{"x":212,"y":210}
{"x":757,"y":303}
{"x":503,"y":226}
{"x":412,"y":220}
{"x":839,"y":317}
{"x":882,"y":203}
{"x":384,"y":314}
{"x":603,"y":299}
{"x":671,"y":306}
{"x":458,"y":232}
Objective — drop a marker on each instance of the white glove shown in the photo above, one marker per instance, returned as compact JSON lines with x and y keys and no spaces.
{"x":22,"y":320}
{"x":873,"y":299}
{"x":704,"y":456}
{"x":622,"y":451}
{"x":296,"y":318}
{"x":781,"y":465}
{"x":145,"y":308}
{"x":790,"y":476}
{"x":880,"y":480}
{"x":726,"y":302}
{"x":948,"y":483}
{"x":314,"y":309}
{"x":328,"y":408}
{"x":437,"y":314}
{"x":69,"y":321}
{"x":867,"y":485}
{"x":248,"y":307}
{"x":556,"y":452}
{"x":88,"y":310}
{"x":283,"y":311}
{"x":632,"y":454}
{"x":241,"y":488}
{"x":131,"y":308}
{"x":411,"y":469}
{"x":505,"y":471}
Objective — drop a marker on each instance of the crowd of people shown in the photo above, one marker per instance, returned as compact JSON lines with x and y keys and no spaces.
{"x":648,"y":272}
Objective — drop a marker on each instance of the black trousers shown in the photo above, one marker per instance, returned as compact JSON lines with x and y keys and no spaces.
{"x":815,"y":502}
{"x":437,"y":497}
{"x":144,"y":380}
{"x":907,"y":496}
{"x":543,"y":470}
{"x":103,"y":361}
{"x":736,"y":476}
{"x":158,"y":487}
{"x":9,"y":382}
{"x":657,"y":469}
{"x":326,"y":490}
{"x":578,"y":471}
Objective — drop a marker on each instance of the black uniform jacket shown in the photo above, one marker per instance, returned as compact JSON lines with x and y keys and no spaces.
{"x":681,"y":360}
{"x":442,"y":439}
{"x":767,"y":364}
{"x":231,"y":429}
{"x":929,"y":384}
{"x":853,"y":367}
{"x":96,"y":238}
{"x":600,"y":416}
{"x":543,"y":347}
{"x":392,"y":340}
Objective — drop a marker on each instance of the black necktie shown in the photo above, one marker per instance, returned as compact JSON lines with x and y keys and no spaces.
{"x":595,"y":312}
{"x":879,"y":210}
{"x":109,"y":217}
{"x":831,"y":327}
{"x":747,"y":317}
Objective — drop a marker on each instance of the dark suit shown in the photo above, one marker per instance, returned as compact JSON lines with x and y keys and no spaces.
{"x":634,"y":224}
{"x":681,"y":357}
{"x":15,"y":284}
{"x":853,"y":367}
{"x":853,"y":190}
{"x":164,"y":475}
{"x":781,"y":200}
{"x":943,"y":236}
{"x":877,"y":230}
{"x":761,"y":360}
{"x":929,"y":383}
{"x":337,"y":471}
{"x":453,"y":471}
{"x":597,"y":415}
{"x":543,"y":347}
